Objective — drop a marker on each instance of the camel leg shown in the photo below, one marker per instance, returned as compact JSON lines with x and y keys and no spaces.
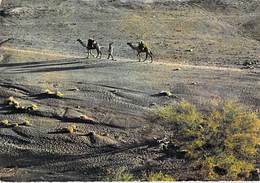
{"x":97,"y":53}
{"x":100,"y":53}
{"x":88,"y":53}
{"x":139,"y":57}
{"x":151,"y":58}
{"x":146,"y":56}
{"x":92,"y":54}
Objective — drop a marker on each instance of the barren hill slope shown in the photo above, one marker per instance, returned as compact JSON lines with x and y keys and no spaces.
{"x":204,"y":51}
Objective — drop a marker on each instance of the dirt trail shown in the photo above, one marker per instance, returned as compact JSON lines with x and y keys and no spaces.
{"x":37,"y":52}
{"x":55,"y":55}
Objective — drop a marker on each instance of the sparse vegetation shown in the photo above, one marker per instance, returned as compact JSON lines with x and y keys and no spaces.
{"x":70,"y":129}
{"x":26,"y":122}
{"x":203,"y":50}
{"x":54,"y":93}
{"x":11,"y":101}
{"x":33,"y":107}
{"x":121,"y":174}
{"x":15,"y":125}
{"x":159,"y":177}
{"x":5,"y":123}
{"x":223,"y":143}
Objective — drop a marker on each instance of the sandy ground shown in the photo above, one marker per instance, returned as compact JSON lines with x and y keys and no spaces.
{"x":202,"y":52}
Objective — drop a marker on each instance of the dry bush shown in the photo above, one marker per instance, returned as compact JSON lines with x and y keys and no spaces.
{"x":121,"y":174}
{"x":54,"y":93}
{"x":223,"y":143}
{"x":159,"y":177}
{"x":11,"y":101}
{"x":4,"y":123}
{"x":70,"y":129}
{"x":26,"y":122}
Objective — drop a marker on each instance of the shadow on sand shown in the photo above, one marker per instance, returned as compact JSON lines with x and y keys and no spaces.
{"x":59,"y":65}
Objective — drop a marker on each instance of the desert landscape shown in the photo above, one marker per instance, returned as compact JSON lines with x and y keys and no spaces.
{"x":66,"y":117}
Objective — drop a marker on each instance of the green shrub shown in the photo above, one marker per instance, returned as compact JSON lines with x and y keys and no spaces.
{"x":159,"y":177}
{"x":32,"y":107}
{"x":71,"y":129}
{"x":11,"y":101}
{"x":4,"y":123}
{"x":54,"y":93}
{"x":121,"y":174}
{"x":223,"y":142}
{"x":26,"y":122}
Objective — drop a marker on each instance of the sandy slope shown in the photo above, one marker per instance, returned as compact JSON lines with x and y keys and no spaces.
{"x":199,"y":56}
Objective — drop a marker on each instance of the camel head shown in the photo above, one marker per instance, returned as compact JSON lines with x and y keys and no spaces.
{"x":132,"y":46}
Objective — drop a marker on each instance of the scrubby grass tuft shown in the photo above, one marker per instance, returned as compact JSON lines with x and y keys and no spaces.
{"x":54,"y":93}
{"x":26,"y":122}
{"x":32,"y":107}
{"x":15,"y":125}
{"x":71,"y":129}
{"x":223,"y":143}
{"x":11,"y":101}
{"x":159,"y":177}
{"x":4,"y":123}
{"x":121,"y":174}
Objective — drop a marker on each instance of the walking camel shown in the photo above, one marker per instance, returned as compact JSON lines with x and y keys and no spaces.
{"x":141,"y":50}
{"x":93,"y":46}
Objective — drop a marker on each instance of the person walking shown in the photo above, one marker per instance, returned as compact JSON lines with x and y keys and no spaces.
{"x":110,"y":51}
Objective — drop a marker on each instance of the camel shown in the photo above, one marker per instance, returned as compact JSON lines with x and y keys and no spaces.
{"x":139,"y":51}
{"x":95,"y":46}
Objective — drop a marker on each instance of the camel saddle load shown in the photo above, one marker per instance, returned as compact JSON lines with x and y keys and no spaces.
{"x":91,"y":42}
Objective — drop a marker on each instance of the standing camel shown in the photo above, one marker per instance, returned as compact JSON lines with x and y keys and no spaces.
{"x":139,"y":51}
{"x":94,"y":46}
